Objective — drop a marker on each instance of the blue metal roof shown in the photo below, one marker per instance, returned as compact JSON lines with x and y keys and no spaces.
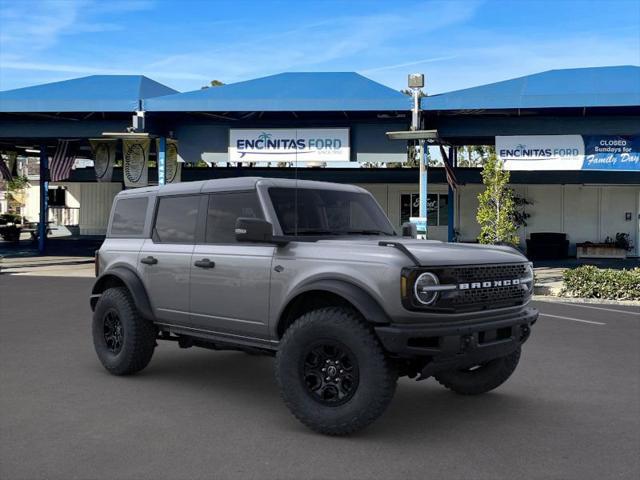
{"x":577,"y":87}
{"x":298,"y":92}
{"x":96,"y":93}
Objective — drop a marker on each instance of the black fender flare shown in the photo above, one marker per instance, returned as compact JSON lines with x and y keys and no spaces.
{"x":354,"y":294}
{"x":134,"y":284}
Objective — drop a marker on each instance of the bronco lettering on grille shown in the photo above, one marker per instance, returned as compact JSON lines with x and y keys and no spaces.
{"x":488,"y":284}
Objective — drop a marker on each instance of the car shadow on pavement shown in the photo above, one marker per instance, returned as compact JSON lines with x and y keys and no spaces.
{"x":239,"y":380}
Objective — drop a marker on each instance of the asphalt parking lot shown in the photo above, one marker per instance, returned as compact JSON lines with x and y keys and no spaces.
{"x":571,"y":410}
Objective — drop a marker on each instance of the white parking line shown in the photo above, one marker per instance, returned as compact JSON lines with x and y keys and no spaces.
{"x":571,"y":318}
{"x":599,"y":308}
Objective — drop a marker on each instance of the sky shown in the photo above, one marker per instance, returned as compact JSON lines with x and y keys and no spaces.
{"x":185,"y":44}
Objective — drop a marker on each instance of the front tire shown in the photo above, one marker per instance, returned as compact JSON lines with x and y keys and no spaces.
{"x":482,"y":378}
{"x":124,"y":341}
{"x":332,"y":373}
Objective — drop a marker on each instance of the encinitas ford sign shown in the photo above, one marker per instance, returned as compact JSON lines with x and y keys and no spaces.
{"x":541,"y":152}
{"x":569,"y":152}
{"x":289,"y":145}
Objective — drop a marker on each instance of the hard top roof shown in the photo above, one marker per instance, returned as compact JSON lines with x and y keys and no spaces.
{"x":231,"y":184}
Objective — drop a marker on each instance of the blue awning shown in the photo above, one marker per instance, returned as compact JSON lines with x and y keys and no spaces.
{"x":577,"y":87}
{"x":288,"y":92}
{"x":96,"y":93}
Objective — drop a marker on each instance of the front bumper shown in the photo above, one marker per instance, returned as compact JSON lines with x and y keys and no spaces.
{"x":459,"y":345}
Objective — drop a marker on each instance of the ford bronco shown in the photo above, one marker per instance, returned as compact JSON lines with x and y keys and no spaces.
{"x":314,"y":274}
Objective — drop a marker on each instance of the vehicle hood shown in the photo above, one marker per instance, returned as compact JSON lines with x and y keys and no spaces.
{"x":436,"y":253}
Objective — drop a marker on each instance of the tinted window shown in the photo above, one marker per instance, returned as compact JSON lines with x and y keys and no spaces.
{"x":328,"y":212}
{"x":128,"y":216}
{"x":224,"y":210}
{"x":176,"y":219}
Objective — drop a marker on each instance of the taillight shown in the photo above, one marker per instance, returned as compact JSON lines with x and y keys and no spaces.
{"x":96,"y":262}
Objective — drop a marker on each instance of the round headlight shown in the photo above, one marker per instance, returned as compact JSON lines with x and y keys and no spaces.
{"x":422,"y":288}
{"x":529,"y":276}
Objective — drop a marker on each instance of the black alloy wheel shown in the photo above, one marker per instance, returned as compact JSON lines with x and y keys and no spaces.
{"x":113,"y":331}
{"x":330,"y":373}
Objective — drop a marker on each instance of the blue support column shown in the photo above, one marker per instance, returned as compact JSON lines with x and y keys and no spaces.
{"x":162,"y":160}
{"x":44,"y":199}
{"x":453,"y":153}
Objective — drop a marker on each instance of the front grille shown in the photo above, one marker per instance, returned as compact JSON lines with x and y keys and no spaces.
{"x":482,"y":298}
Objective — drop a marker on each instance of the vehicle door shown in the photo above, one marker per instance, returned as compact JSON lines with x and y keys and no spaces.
{"x":230,"y":280}
{"x":165,"y":259}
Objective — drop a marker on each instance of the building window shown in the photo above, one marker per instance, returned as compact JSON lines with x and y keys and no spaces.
{"x":437,"y":208}
{"x":57,"y":197}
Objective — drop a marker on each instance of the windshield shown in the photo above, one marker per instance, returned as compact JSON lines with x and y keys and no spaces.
{"x":308,"y":211}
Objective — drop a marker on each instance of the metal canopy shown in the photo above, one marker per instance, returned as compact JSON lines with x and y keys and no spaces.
{"x":617,"y":86}
{"x":288,"y":92}
{"x":96,"y":93}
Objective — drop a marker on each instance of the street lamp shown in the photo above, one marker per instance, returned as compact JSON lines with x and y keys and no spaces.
{"x":416,"y":83}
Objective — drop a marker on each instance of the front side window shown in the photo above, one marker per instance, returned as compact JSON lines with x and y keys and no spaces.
{"x":224,"y":209}
{"x":128,"y":217}
{"x":307,"y":211}
{"x":176,"y":219}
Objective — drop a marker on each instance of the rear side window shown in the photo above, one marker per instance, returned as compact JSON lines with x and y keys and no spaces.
{"x":224,"y":209}
{"x":176,"y":219}
{"x":128,"y":217}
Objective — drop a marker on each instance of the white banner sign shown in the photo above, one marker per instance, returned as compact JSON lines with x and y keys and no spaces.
{"x":136,"y":162}
{"x":104,"y":157}
{"x":289,"y":145}
{"x":541,"y":152}
{"x":172,"y":162}
{"x":173,"y":165}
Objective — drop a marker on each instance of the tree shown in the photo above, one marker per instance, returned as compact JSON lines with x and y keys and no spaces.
{"x":213,"y":83}
{"x":497,"y":208}
{"x":474,"y":155}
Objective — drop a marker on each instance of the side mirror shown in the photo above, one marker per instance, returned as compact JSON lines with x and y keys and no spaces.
{"x":256,"y":230}
{"x":409,"y":230}
{"x":253,"y":230}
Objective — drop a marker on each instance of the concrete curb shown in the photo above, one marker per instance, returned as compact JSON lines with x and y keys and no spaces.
{"x":597,"y":301}
{"x":547,"y":290}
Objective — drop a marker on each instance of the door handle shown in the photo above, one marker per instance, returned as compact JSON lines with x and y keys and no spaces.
{"x":149,"y":260}
{"x":204,"y":263}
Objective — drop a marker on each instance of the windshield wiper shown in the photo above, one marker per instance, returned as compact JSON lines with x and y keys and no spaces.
{"x":366,"y":232}
{"x":340,"y":232}
{"x":319,"y":232}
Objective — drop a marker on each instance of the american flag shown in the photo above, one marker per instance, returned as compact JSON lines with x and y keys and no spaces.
{"x":62,"y":160}
{"x":448,"y":169}
{"x":4,"y":170}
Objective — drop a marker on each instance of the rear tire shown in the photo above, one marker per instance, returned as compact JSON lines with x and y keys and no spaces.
{"x":122,"y":338}
{"x":357,"y":383}
{"x":481,"y":379}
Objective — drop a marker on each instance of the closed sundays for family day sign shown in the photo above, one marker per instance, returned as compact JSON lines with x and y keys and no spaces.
{"x":569,"y":152}
{"x":289,"y":145}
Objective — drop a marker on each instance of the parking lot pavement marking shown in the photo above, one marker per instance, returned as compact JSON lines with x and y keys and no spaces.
{"x":571,"y":318}
{"x":597,"y":308}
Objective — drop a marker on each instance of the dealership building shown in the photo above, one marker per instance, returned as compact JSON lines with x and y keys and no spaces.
{"x":571,"y":139}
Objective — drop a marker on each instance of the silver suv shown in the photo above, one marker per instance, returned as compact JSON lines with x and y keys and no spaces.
{"x":314,"y":274}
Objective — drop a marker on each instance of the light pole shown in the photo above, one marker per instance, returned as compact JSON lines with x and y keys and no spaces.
{"x":416,"y":83}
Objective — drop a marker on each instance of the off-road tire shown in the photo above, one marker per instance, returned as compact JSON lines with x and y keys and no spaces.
{"x":138,"y":334}
{"x":482,"y":379}
{"x":376,"y":376}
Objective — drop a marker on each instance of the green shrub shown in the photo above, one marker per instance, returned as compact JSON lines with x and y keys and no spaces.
{"x":588,"y":281}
